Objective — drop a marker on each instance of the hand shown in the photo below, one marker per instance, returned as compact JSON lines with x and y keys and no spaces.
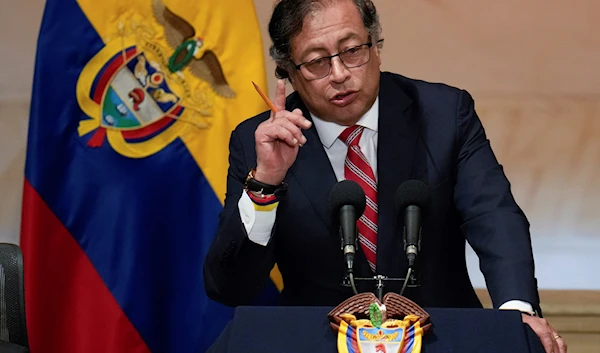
{"x":278,"y":139}
{"x":547,"y":334}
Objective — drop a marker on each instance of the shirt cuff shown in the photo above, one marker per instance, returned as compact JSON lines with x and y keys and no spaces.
{"x":517,"y":305}
{"x":257,"y":219}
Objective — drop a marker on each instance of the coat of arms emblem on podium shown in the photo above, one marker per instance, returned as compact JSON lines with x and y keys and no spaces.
{"x":366,"y":325}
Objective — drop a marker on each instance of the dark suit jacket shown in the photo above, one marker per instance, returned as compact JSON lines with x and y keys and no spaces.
{"x":428,"y":132}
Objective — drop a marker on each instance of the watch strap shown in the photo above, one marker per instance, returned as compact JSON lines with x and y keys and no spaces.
{"x":261,"y":188}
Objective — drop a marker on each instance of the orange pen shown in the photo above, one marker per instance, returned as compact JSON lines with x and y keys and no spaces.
{"x":265,"y":98}
{"x":268,"y":101}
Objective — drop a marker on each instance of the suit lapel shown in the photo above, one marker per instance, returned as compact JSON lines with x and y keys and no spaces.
{"x":398,"y":139}
{"x":312,"y":169}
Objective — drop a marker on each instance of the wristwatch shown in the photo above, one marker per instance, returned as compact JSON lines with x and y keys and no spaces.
{"x":259,"y":188}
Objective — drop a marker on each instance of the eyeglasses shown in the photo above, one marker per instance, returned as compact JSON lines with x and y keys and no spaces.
{"x":321,"y":67}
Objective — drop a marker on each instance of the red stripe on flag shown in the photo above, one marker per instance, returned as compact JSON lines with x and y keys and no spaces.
{"x":149,"y":129}
{"x":69,"y":309}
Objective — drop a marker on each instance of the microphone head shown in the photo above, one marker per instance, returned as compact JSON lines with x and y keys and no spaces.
{"x":347,"y":192}
{"x":412,"y":192}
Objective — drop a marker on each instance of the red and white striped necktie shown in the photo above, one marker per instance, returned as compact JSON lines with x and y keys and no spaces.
{"x":357,"y":168}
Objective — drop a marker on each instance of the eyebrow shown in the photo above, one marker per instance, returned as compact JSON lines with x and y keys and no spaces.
{"x":346,"y":38}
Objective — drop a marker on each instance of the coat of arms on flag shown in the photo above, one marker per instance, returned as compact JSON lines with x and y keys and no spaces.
{"x":154,"y":78}
{"x":366,"y":325}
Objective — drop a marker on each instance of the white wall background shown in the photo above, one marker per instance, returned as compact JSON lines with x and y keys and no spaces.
{"x":531,"y":66}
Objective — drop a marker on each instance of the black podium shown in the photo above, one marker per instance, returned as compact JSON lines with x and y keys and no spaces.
{"x":307,"y":330}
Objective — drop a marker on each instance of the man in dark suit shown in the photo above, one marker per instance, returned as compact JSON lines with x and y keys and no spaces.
{"x":347,"y":120}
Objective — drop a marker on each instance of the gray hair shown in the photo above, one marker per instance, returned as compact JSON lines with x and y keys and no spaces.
{"x":288,"y":17}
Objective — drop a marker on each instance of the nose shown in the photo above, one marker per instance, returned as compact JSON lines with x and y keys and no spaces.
{"x":339,"y":72}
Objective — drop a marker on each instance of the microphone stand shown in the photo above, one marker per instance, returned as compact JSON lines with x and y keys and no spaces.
{"x":410,"y":281}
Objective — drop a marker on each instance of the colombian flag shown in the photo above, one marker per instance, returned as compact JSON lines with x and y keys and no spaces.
{"x":132,"y":108}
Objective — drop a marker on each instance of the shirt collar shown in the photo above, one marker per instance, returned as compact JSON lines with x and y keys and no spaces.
{"x":329,"y":131}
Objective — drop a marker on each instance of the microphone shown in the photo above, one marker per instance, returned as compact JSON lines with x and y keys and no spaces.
{"x":412,"y":199}
{"x":347,"y":203}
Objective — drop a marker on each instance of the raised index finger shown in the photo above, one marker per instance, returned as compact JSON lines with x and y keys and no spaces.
{"x":280,"y":95}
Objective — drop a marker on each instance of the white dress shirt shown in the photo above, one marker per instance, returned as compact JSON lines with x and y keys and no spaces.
{"x":259,"y":225}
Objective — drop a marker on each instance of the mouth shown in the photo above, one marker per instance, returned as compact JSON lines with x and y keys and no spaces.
{"x":342,"y":99}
